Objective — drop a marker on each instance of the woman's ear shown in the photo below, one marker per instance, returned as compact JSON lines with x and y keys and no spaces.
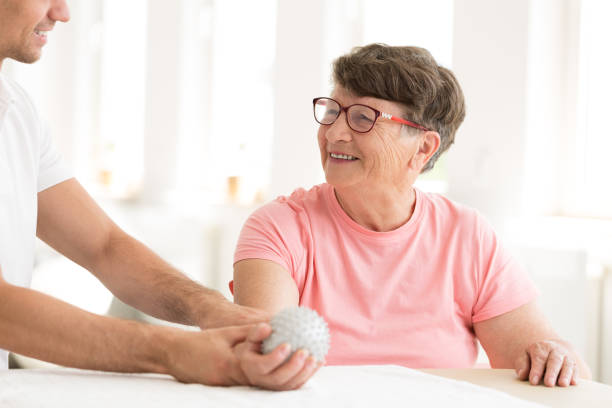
{"x":428,"y":146}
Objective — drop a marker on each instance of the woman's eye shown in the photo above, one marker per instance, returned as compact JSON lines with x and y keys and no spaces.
{"x":364,"y":118}
{"x":330,"y":115}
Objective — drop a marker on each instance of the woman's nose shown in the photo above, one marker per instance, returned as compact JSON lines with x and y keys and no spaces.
{"x":339,"y":131}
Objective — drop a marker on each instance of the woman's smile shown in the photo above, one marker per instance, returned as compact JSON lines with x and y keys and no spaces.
{"x":341,"y":158}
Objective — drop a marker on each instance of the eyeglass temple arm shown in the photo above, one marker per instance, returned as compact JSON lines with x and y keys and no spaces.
{"x":404,"y":121}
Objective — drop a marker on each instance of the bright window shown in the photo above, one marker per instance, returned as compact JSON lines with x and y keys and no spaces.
{"x":593,"y":147}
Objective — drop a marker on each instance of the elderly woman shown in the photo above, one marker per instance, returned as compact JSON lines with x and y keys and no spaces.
{"x":401,"y":276}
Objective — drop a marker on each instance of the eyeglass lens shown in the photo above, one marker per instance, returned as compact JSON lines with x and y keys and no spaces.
{"x":360,"y":118}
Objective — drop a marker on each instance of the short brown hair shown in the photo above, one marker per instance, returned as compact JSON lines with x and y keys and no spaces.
{"x":411,"y":77}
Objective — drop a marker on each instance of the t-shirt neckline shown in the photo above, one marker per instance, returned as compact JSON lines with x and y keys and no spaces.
{"x":407,"y":227}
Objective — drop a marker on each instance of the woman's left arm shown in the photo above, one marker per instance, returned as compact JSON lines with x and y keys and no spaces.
{"x":524,"y":340}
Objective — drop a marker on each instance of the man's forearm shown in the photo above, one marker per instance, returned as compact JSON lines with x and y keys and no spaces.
{"x":39,"y":326}
{"x":140,"y":278}
{"x":72,"y":223}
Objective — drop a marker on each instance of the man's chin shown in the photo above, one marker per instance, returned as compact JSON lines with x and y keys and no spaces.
{"x":26,"y":58}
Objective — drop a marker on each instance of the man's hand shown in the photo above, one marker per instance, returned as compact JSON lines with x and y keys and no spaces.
{"x":220,"y":312}
{"x":207,"y":357}
{"x":272,"y":371}
{"x":230,"y":356}
{"x":549,"y":361}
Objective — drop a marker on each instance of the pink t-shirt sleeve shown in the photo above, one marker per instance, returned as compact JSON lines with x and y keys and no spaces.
{"x":502,"y":283}
{"x":272,"y":233}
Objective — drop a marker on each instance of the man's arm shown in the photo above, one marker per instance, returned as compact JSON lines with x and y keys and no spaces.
{"x":39,"y":326}
{"x":265,"y":285}
{"x":72,"y":223}
{"x":524,"y":340}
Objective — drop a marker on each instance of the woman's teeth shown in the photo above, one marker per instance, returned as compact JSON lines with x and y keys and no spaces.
{"x":342,"y":156}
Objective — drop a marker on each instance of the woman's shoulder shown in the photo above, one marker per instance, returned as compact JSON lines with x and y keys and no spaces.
{"x":441,"y":207}
{"x":301,"y":199}
{"x":299,"y":202}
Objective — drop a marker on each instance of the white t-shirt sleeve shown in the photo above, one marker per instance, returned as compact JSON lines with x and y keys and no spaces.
{"x":51,"y":168}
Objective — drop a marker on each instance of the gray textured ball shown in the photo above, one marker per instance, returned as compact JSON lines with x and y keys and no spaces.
{"x":300,"y":327}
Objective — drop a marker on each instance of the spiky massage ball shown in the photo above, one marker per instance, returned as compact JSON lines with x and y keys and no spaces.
{"x":301,"y":328}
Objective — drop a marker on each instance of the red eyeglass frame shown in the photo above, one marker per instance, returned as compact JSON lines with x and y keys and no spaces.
{"x":376,"y":112}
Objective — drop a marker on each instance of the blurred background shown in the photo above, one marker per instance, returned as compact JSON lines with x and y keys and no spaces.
{"x":182,"y":117}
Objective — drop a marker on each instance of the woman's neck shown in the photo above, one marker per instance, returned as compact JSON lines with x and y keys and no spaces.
{"x":378,"y":209}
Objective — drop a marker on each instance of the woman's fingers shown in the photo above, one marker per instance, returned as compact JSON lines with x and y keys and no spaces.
{"x":554,"y":363}
{"x":522,"y":366}
{"x":287,"y":372}
{"x":538,"y":354}
{"x":567,"y":372}
{"x":310,"y":368}
{"x":273,"y":370}
{"x":547,"y":362}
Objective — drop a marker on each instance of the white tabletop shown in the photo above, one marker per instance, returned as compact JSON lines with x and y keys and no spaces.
{"x":338,"y":386}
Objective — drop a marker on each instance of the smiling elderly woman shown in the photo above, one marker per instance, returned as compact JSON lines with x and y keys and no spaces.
{"x":401,"y":276}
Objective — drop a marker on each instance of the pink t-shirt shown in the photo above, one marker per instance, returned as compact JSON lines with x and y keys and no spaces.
{"x":409,"y":296}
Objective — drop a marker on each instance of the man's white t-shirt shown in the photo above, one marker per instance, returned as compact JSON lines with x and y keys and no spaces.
{"x":29,"y":163}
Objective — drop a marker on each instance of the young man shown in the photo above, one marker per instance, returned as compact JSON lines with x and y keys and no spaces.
{"x":39,"y":197}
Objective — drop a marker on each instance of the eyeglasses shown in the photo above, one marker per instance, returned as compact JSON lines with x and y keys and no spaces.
{"x":360,"y":118}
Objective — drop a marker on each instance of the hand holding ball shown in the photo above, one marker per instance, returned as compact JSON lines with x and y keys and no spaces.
{"x":301,"y":328}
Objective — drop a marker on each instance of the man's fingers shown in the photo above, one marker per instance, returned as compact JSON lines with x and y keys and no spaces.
{"x":567,"y":372}
{"x":522,"y":365}
{"x":234,"y":334}
{"x":238,"y":376}
{"x":259,"y":332}
{"x":554,"y":364}
{"x":252,"y":342}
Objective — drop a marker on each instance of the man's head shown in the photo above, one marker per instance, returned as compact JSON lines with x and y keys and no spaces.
{"x":24,"y":24}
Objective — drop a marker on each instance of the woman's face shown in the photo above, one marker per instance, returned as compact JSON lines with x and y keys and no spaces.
{"x":386,"y":156}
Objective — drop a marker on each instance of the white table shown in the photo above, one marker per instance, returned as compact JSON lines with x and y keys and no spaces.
{"x":339,"y":386}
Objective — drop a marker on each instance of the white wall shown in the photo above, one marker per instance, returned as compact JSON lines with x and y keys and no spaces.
{"x":486,"y":163}
{"x":299,"y":77}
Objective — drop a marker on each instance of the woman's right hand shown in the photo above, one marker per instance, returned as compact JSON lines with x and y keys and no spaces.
{"x":273,"y":371}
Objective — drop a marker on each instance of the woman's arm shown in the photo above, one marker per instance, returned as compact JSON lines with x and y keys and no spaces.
{"x":265,"y":285}
{"x":524,"y":340}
